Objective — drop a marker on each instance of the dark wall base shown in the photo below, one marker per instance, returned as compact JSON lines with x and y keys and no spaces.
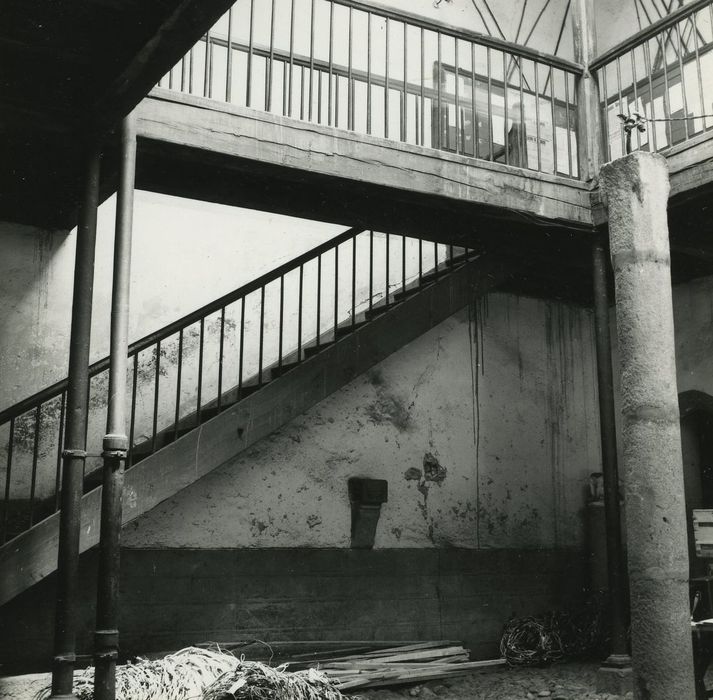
{"x":176,"y":597}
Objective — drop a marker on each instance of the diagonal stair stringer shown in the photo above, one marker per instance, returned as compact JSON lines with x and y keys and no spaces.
{"x":32,"y":556}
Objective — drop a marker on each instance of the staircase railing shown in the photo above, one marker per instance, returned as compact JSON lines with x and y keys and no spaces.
{"x":201,"y":364}
{"x":387,"y":73}
{"x":664,"y":74}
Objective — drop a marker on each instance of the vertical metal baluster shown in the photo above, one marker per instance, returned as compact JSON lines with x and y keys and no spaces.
{"x":474,"y":113}
{"x":271,"y":59}
{"x":319,"y":297}
{"x":438,"y":74}
{"x":694,"y":31}
{"x":261,"y":347}
{"x":505,"y":109}
{"x":420,"y":261}
{"x":132,"y":422}
{"x":8,"y":477}
{"x":170,"y":80}
{"x":199,"y":398}
{"x":554,"y":118}
{"x":683,"y":82}
{"x":537,"y":115}
{"x":647,"y":58}
{"x":405,"y":108}
{"x":35,"y":455}
{"x":177,"y":414}
{"x":311,"y":60}
{"x":157,"y":375}
{"x":569,"y":133}
{"x":284,"y":88}
{"x":403,"y":264}
{"x":491,"y":132}
{"x":621,"y":104}
{"x":350,"y":96}
{"x":386,"y":83}
{"x":300,"y":295}
{"x":302,"y":92}
{"x":60,"y":446}
{"x":666,"y":96}
{"x":371,"y":270}
{"x":241,"y":356}
{"x":368,"y":72}
{"x":229,"y":60}
{"x":221,"y":349}
{"x":456,"y":100}
{"x":190,"y":71}
{"x":331,"y":63}
{"x":388,"y":271}
{"x":292,"y":55}
{"x":636,"y":95}
{"x":206,"y":66}
{"x":249,"y":82}
{"x":336,"y":290}
{"x":336,"y":99}
{"x":435,"y":260}
{"x":423,"y":92}
{"x":183,"y":74}
{"x":319,"y":97}
{"x":520,"y":133}
{"x":280,"y":330}
{"x":605,"y":115}
{"x":354,"y":270}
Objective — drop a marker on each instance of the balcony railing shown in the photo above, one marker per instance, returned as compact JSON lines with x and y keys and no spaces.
{"x":345,"y":64}
{"x":665,"y":74}
{"x":186,"y":373}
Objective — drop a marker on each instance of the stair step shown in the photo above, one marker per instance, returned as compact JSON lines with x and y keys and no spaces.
{"x":248,"y":389}
{"x":347,"y":329}
{"x":276,"y":372}
{"x":309,"y":352}
{"x":378,"y":310}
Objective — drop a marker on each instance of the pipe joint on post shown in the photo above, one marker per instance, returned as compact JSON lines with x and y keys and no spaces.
{"x":106,"y":644}
{"x":113,"y":442}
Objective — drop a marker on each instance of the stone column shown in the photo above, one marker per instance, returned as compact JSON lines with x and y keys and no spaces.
{"x":635,"y":189}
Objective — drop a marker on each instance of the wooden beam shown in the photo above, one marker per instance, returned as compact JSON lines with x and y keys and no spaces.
{"x":240,"y":137}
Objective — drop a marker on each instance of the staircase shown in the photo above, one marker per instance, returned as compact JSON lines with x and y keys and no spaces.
{"x":211,"y":384}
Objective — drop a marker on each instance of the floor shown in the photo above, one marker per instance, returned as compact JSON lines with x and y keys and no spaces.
{"x":566,"y":681}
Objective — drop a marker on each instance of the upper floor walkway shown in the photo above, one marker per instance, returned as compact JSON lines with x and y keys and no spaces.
{"x":341,"y":110}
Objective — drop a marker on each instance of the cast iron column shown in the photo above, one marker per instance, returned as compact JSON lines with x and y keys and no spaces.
{"x":115,"y":444}
{"x":74,"y":452}
{"x":635,"y":189}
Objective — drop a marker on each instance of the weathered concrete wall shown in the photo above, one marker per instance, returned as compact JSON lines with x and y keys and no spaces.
{"x":486,"y":429}
{"x":173,"y":598}
{"x":185,"y":254}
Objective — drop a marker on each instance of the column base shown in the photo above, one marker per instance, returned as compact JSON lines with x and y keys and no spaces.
{"x":615,"y":676}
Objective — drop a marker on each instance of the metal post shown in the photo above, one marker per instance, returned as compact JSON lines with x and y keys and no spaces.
{"x":618,"y":653}
{"x":74,"y":452}
{"x":115,"y":444}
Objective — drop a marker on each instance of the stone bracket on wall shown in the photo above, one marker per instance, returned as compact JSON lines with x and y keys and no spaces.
{"x":366,"y":497}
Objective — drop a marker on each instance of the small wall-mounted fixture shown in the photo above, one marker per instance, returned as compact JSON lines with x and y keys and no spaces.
{"x":366,"y":497}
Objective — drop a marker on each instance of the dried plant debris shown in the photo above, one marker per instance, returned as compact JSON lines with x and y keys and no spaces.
{"x":208,"y":674}
{"x":252,"y":680}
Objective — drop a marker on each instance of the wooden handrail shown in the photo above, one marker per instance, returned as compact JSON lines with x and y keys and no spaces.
{"x":657,"y":27}
{"x":465,"y":34}
{"x":147,"y":341}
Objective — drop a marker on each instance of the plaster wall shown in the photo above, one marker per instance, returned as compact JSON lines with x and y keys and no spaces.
{"x":486,"y":429}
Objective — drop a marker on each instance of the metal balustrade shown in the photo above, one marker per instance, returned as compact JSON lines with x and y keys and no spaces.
{"x":349,"y":65}
{"x":665,"y":74}
{"x":200,"y":365}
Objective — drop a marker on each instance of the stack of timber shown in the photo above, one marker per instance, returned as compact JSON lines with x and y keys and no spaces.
{"x":398,"y":665}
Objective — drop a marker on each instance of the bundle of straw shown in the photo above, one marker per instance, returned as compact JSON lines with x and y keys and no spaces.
{"x":252,"y":680}
{"x":180,"y":676}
